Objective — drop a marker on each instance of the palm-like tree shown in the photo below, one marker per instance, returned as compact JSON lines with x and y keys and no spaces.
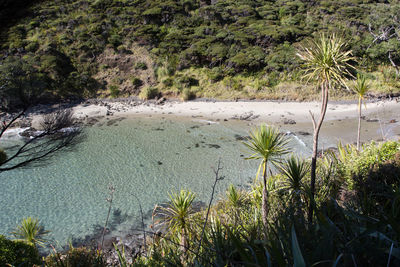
{"x":269,"y":145}
{"x":327,"y":61}
{"x":360,"y":88}
{"x":176,"y":215}
{"x":294,"y":171}
{"x":31,"y":232}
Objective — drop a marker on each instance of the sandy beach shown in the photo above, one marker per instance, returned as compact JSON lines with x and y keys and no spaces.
{"x":262,"y":111}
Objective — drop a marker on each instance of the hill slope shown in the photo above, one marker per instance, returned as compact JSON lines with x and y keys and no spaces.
{"x":226,"y":49}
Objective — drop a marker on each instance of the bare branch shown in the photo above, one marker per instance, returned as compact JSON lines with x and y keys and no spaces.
{"x":217,"y":179}
{"x":59,"y":131}
{"x":5,"y":125}
{"x":142,"y":218}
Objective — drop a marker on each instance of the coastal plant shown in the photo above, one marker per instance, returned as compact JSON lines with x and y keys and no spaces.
{"x":76,"y":257}
{"x":31,"y":232}
{"x":327,"y":61}
{"x":237,"y":200}
{"x":148,"y":92}
{"x":269,"y":145}
{"x":294,"y":171}
{"x":17,"y":253}
{"x":360,"y":87}
{"x":176,"y":216}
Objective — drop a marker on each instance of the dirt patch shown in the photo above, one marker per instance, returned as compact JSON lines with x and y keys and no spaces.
{"x":121,"y":70}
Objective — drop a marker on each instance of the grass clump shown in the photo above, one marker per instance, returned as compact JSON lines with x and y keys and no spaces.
{"x":149,"y":92}
{"x":114,"y":90}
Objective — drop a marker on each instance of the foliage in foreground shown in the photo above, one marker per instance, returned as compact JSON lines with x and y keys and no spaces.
{"x":17,"y":253}
{"x":356,"y":226}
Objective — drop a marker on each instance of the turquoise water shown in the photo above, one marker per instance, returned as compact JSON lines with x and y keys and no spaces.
{"x":143,"y":157}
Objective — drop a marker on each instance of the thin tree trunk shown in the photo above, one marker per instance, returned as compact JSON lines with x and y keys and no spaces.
{"x":184,"y":246}
{"x":359,"y":124}
{"x":265,"y":206}
{"x":317,"y":127}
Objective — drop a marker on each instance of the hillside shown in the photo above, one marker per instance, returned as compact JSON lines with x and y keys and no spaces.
{"x":188,"y":48}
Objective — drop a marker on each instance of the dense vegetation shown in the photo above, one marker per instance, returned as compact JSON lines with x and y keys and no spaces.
{"x":228,"y":49}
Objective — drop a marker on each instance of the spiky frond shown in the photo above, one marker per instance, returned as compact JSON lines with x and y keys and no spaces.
{"x":268,"y":144}
{"x":294,"y":170}
{"x":361,"y":85}
{"x":326,"y":60}
{"x":31,"y":232}
{"x":176,"y":214}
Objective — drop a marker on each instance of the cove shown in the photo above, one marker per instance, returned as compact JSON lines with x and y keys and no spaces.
{"x":144,"y":158}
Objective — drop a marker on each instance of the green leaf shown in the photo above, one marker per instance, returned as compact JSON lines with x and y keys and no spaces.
{"x":297,"y":255}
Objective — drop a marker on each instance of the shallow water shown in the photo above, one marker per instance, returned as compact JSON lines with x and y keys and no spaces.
{"x":142,"y":157}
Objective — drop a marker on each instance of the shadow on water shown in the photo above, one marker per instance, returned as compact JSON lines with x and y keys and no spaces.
{"x":131,"y":236}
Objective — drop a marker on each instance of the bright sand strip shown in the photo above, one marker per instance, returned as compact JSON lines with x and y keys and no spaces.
{"x":261,"y":111}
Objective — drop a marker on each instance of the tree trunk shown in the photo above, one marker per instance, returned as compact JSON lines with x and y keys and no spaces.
{"x":265,"y":206}
{"x":183,"y":246}
{"x":317,"y":127}
{"x":359,"y":124}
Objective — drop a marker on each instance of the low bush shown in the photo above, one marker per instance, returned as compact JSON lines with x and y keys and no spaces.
{"x":114,"y":90}
{"x":141,"y":66}
{"x":188,"y":94}
{"x":136,"y":82}
{"x":17,"y":253}
{"x":149,"y":92}
{"x":76,"y":257}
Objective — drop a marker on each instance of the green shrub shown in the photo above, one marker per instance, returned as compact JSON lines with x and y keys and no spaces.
{"x":76,"y":257}
{"x":188,"y":94}
{"x":187,"y":81}
{"x":355,"y":165}
{"x":272,"y":79}
{"x":149,"y":92}
{"x":216,"y":74}
{"x":141,"y":66}
{"x":17,"y":253}
{"x":32,"y":46}
{"x":114,"y":90}
{"x":115,"y":40}
{"x":168,"y":82}
{"x":136,"y":82}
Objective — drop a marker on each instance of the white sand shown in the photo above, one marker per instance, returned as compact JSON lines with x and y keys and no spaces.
{"x":257,"y":111}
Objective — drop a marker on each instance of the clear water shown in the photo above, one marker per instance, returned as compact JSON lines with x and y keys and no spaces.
{"x":142,"y":157}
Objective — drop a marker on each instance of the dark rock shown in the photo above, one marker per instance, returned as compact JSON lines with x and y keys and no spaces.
{"x":241,"y":138}
{"x":31,"y":132}
{"x":289,"y":121}
{"x":213,"y":146}
{"x":303,"y":133}
{"x":246,"y":116}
